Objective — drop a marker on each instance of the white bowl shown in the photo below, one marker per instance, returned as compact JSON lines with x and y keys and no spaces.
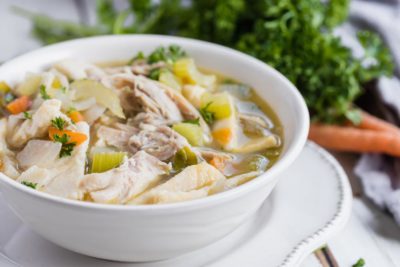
{"x":146,"y":233}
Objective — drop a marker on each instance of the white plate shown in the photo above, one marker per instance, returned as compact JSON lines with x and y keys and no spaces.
{"x":308,"y":206}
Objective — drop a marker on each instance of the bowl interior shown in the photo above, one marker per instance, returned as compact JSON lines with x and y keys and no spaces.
{"x":278,"y":92}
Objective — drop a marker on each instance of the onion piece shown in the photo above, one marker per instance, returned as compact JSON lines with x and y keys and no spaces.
{"x":40,"y":153}
{"x":93,"y":113}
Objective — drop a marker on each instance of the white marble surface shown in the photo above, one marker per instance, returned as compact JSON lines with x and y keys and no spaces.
{"x":370,"y":233}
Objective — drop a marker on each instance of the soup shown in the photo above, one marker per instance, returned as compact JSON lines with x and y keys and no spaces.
{"x":154,"y":130}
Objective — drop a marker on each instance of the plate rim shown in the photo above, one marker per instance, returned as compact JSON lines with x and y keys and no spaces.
{"x":344,"y":207}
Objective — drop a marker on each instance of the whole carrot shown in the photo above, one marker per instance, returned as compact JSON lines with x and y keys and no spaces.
{"x":351,"y":139}
{"x":371,"y":122}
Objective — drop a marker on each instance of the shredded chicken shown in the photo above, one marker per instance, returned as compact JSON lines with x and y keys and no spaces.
{"x":63,"y":177}
{"x":159,"y":141}
{"x":255,"y":124}
{"x":8,"y":163}
{"x":77,"y":69}
{"x":193,"y":182}
{"x":20,"y":130}
{"x":123,"y":183}
{"x":40,"y":153}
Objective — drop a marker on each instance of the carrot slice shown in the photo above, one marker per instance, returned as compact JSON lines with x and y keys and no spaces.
{"x":74,"y":137}
{"x":19,"y":105}
{"x":223,"y":136}
{"x":75,"y":116}
{"x":351,"y":139}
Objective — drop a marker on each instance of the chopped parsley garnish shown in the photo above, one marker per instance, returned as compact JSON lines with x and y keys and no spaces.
{"x":168,"y":55}
{"x":29,"y":184}
{"x":139,"y":56}
{"x":59,"y":123}
{"x":359,"y":263}
{"x":63,"y":89}
{"x":208,"y":116}
{"x":27,"y":115}
{"x":194,"y":121}
{"x":155,"y":74}
{"x":43,"y":92}
{"x":61,"y":139}
{"x":66,"y":148}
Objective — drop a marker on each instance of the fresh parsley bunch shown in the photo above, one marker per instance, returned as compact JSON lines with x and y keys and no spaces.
{"x":294,"y":36}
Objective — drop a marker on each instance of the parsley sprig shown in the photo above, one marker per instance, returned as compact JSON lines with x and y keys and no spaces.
{"x":43,"y":92}
{"x":29,"y":184}
{"x":66,"y":148}
{"x":59,"y":123}
{"x":27,"y":115}
{"x":207,"y":115}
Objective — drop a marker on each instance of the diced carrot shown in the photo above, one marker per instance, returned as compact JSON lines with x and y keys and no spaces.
{"x":19,"y":105}
{"x":352,"y":139}
{"x":74,"y":137}
{"x":75,"y":116}
{"x":218,"y":163}
{"x":223,"y":136}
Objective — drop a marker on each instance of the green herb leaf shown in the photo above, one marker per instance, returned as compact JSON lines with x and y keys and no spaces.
{"x":29,"y":184}
{"x":168,"y":55}
{"x":359,"y":263}
{"x":208,"y":116}
{"x":194,"y":121}
{"x":66,"y":149}
{"x":155,"y":74}
{"x":27,"y":115}
{"x":43,"y":92}
{"x":59,"y":123}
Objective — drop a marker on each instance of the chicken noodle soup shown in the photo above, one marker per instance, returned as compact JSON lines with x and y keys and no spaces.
{"x":156,"y":129}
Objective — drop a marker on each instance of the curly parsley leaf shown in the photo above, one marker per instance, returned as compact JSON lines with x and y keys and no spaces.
{"x":66,"y":148}
{"x":59,"y":123}
{"x":43,"y":92}
{"x":359,"y":263}
{"x":29,"y":184}
{"x":27,"y":115}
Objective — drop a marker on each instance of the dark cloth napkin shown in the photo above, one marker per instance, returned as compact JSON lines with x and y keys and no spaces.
{"x":379,"y":174}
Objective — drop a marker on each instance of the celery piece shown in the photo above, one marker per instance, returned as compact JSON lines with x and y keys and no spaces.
{"x":169,"y":79}
{"x":221,"y":104}
{"x":106,"y":161}
{"x":29,"y":86}
{"x":184,"y":157}
{"x":191,"y":132}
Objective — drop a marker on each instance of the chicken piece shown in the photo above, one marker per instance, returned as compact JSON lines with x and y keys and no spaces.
{"x":143,"y":68}
{"x":209,"y":153}
{"x":193,"y":182}
{"x":159,"y":141}
{"x":20,"y":130}
{"x":65,"y":174}
{"x":77,"y":69}
{"x":8,"y":163}
{"x":153,"y":99}
{"x":115,"y":137}
{"x":255,"y":124}
{"x":123,"y":183}
{"x":40,"y":153}
{"x":148,"y":118}
{"x":188,"y":111}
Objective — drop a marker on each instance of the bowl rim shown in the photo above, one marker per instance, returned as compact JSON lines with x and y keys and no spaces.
{"x":268,"y":176}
